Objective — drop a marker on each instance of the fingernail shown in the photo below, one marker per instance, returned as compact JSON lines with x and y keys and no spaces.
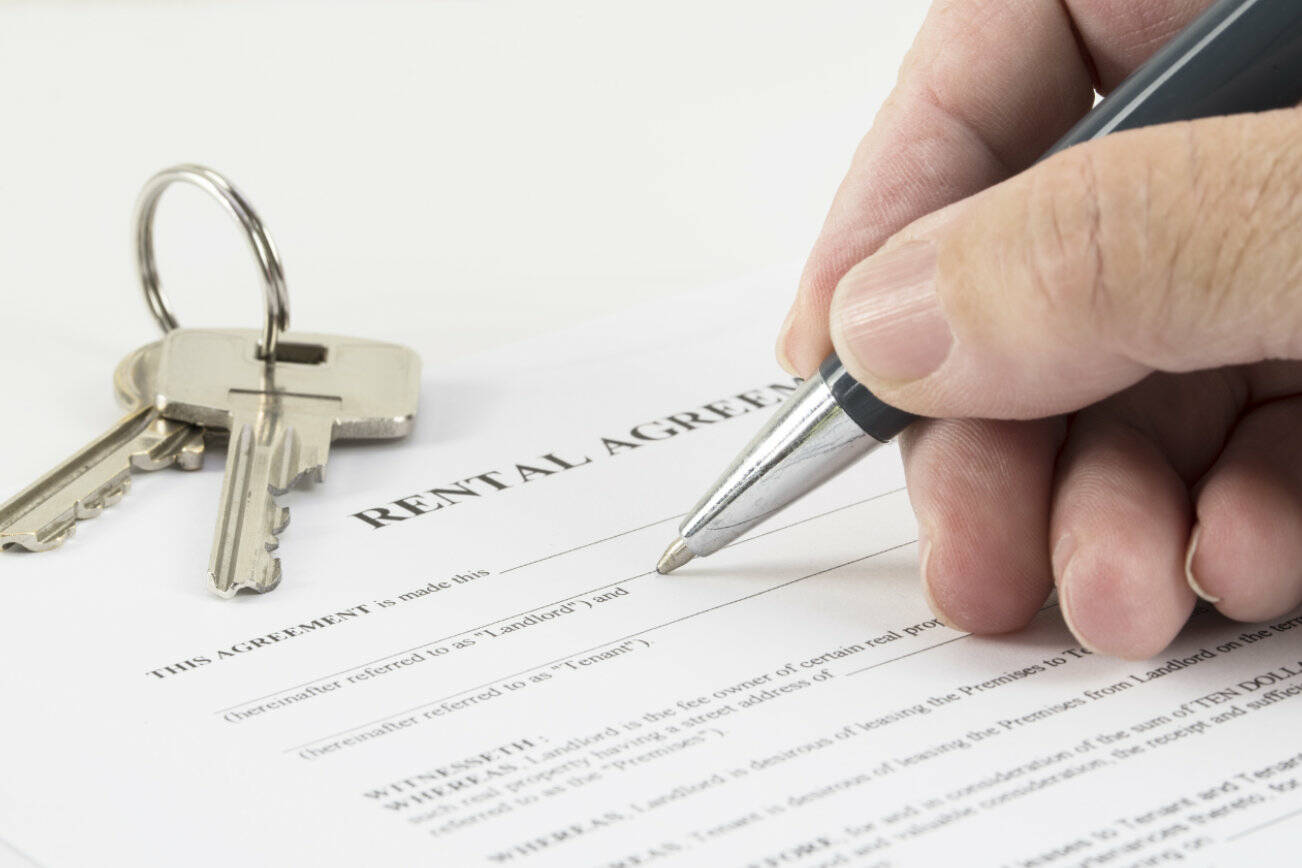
{"x":1061,"y":554}
{"x":924,"y":568}
{"x":887,"y":316}
{"x":1189,"y":570}
{"x":1067,"y":605}
{"x":784,"y":336}
{"x":1061,"y":560}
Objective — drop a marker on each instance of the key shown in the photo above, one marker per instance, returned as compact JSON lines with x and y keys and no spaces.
{"x":281,"y":418}
{"x":45,"y":514}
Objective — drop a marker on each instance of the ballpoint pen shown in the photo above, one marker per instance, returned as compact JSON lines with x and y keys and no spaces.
{"x":1238,"y":56}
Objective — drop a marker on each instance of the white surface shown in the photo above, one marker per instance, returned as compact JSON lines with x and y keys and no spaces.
{"x":512,"y":671}
{"x":11,"y":858}
{"x":450,"y":175}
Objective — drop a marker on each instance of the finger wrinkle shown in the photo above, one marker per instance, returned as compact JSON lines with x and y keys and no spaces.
{"x":1004,"y":167}
{"x":1118,"y":35}
{"x":1186,"y":416}
{"x":1017,"y":102}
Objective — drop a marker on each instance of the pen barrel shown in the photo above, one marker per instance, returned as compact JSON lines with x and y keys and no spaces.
{"x":1238,"y":56}
{"x":807,"y":441}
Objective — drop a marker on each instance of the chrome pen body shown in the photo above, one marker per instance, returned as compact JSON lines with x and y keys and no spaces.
{"x":826,"y":425}
{"x":1238,"y":56}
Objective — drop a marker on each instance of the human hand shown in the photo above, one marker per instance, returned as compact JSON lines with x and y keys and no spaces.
{"x":1105,"y":337}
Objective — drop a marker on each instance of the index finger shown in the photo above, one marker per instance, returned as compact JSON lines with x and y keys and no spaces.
{"x":987,"y":87}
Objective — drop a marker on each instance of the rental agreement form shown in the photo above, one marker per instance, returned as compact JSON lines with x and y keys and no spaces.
{"x":471,"y":662}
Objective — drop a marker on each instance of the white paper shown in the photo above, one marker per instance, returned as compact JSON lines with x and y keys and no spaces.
{"x":502,"y":679}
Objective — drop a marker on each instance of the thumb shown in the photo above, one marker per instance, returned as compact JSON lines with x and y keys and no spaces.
{"x":1171,"y":248}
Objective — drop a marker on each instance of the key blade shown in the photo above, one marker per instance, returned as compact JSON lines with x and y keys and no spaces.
{"x":45,"y":514}
{"x":175,"y":443}
{"x":266,"y":457}
{"x":239,"y":558}
{"x":282,"y":414}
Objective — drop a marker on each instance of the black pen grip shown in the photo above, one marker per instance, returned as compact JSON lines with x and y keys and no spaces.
{"x":878,"y":419}
{"x":1239,"y":56}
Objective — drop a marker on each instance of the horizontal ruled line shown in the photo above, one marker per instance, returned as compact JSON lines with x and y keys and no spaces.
{"x":616,"y":641}
{"x":1044,"y":608}
{"x":472,"y":630}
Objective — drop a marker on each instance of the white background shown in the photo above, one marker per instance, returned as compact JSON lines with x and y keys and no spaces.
{"x":451,"y":175}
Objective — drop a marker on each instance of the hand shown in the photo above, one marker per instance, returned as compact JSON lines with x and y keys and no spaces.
{"x":1104,"y":337}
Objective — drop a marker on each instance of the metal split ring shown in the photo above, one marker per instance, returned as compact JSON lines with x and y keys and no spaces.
{"x":212,"y":183}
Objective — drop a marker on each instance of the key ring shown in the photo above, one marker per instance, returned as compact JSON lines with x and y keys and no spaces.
{"x":212,"y":183}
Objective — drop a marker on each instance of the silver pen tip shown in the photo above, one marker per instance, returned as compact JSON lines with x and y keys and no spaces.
{"x":674,"y":557}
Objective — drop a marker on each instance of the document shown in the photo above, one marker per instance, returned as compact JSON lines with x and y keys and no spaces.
{"x":472,"y":662}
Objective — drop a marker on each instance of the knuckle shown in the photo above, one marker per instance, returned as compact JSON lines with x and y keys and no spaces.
{"x":1125,"y":241}
{"x":1069,"y":260}
{"x":1172,"y":247}
{"x":1205,"y":244}
{"x":1229,"y":237}
{"x":1260,"y":264}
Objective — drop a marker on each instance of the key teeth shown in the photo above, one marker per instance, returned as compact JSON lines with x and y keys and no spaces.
{"x":108,"y":495}
{"x":174,"y":444}
{"x":60,"y":529}
{"x":50,"y":537}
{"x":160,"y":444}
{"x":295,"y":462}
{"x":279,"y":522}
{"x":267,"y":580}
{"x":266,"y":575}
{"x":283,"y":486}
{"x":191,"y":455}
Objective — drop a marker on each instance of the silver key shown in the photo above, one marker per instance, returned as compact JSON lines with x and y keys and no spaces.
{"x":282,"y":418}
{"x":45,"y":514}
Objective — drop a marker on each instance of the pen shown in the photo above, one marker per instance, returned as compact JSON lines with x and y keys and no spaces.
{"x":1239,"y":56}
